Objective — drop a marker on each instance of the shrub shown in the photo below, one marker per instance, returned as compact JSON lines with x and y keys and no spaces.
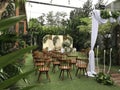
{"x":104,"y":78}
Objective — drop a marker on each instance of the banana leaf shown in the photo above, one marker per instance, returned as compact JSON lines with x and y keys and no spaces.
{"x":6,"y":23}
{"x":13,"y":80}
{"x":11,"y":57}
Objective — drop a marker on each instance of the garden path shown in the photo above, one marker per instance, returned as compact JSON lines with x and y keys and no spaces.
{"x":116,"y":78}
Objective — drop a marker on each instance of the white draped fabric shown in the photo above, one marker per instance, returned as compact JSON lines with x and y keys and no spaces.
{"x":96,"y":20}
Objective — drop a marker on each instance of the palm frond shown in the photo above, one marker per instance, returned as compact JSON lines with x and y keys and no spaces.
{"x":13,"y":80}
{"x":6,"y":23}
{"x":9,"y":58}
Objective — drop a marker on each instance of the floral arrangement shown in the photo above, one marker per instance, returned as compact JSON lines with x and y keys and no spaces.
{"x":105,"y":14}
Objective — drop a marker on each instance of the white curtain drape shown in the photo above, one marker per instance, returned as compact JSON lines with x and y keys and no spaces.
{"x":96,"y":20}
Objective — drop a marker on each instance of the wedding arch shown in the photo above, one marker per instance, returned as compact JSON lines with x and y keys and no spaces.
{"x":97,"y":19}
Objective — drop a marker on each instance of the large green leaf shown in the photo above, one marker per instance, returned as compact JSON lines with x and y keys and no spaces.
{"x":13,"y":80}
{"x":9,"y":58}
{"x":6,"y":23}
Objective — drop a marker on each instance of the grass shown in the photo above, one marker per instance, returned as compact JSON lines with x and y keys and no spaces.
{"x":82,"y":83}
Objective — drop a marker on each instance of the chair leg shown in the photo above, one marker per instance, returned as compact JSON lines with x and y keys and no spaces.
{"x":80,"y":72}
{"x":39,"y":76}
{"x":73,"y":66}
{"x":77,"y":72}
{"x":47,"y":75}
{"x":36,"y":71}
{"x":86,"y":72}
{"x":70,"y":74}
{"x":83,"y":71}
{"x":60,"y":73}
{"x":53,"y":69}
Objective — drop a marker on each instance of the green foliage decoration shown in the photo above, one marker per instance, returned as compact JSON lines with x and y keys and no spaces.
{"x":70,"y":39}
{"x":115,"y":14}
{"x":105,"y":14}
{"x":55,"y":39}
{"x":45,"y":38}
{"x":65,"y":44}
{"x":104,"y":78}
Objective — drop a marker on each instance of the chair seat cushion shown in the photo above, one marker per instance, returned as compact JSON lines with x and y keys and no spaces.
{"x":65,"y":67}
{"x":40,"y":64}
{"x":43,"y":69}
{"x":81,"y":65}
{"x":73,"y":61}
{"x":56,"y":62}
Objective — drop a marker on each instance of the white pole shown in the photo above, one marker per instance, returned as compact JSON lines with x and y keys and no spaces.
{"x":97,"y":58}
{"x":104,"y":61}
{"x":110,"y":61}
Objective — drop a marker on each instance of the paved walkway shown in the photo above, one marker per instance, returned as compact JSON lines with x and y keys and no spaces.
{"x":116,"y":78}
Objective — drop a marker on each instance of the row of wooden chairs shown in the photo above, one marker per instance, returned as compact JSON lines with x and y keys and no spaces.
{"x":42,"y":62}
{"x":63,"y":61}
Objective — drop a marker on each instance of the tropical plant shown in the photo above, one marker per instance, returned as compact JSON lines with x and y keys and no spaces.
{"x":8,"y":38}
{"x":11,"y":57}
{"x":5,"y":60}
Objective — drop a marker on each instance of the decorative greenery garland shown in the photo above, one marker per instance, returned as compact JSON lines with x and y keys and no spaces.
{"x":70,"y":39}
{"x":67,"y":44}
{"x":105,"y":14}
{"x":55,"y":39}
{"x":45,"y":38}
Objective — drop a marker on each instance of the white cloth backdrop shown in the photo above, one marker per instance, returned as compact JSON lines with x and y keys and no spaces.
{"x":96,"y":20}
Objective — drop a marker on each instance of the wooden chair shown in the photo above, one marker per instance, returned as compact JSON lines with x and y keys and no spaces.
{"x":81,"y":65}
{"x":45,"y":69}
{"x":39,"y":62}
{"x":55,"y":62}
{"x":72,"y":60}
{"x":37,"y":59}
{"x":65,"y":67}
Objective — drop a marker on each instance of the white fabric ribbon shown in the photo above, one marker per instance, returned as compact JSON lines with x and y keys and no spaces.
{"x":96,"y":20}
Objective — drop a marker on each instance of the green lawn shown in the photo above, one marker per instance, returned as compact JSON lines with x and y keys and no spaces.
{"x":82,"y":83}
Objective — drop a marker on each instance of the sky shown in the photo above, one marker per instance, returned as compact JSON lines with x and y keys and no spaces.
{"x":35,"y":10}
